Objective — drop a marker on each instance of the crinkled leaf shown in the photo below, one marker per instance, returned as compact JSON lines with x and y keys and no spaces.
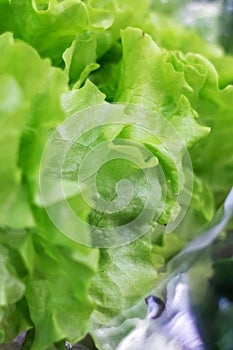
{"x":80,"y":58}
{"x":78,"y":99}
{"x":59,"y":290}
{"x":120,"y":271}
{"x":212,"y":158}
{"x":117,"y":286}
{"x":159,"y":85}
{"x":51,"y":25}
{"x":57,"y":274}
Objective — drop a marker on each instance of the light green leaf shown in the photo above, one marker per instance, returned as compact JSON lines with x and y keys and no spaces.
{"x":117,"y":286}
{"x":157,"y":79}
{"x":212,"y":158}
{"x":80,"y":59}
{"x":14,"y":207}
{"x":51,"y":25}
{"x":11,"y":288}
{"x":78,"y":99}
{"x":59,"y":290}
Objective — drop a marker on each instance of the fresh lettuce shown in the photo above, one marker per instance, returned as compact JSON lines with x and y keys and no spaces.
{"x":32,"y":254}
{"x":74,"y":59}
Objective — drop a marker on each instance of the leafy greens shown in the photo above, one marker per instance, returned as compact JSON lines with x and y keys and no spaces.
{"x":59,"y":58}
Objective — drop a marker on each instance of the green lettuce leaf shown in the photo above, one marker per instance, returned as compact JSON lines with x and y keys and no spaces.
{"x":58,"y":290}
{"x":169,"y":33}
{"x":163,"y":81}
{"x":117,"y":286}
{"x":14,"y":207}
{"x":14,"y":316}
{"x":12,"y":289}
{"x":98,"y":46}
{"x":80,"y":59}
{"x":30,"y":107}
{"x":157,"y":79}
{"x":74,"y":100}
{"x":51,"y":25}
{"x":212,"y":159}
{"x":56,"y":275}
{"x":118,"y":52}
